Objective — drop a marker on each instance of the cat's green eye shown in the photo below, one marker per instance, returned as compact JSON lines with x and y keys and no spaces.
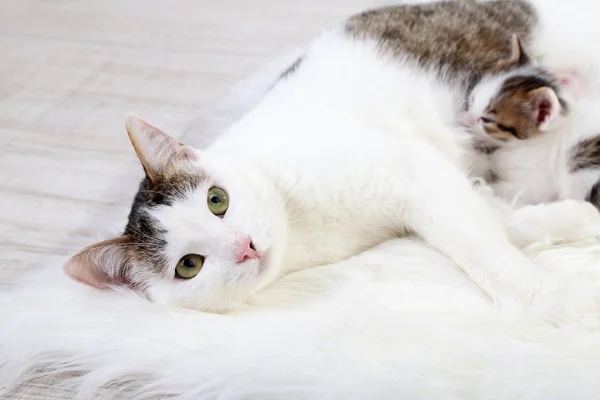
{"x":189,"y":266}
{"x":218,"y":201}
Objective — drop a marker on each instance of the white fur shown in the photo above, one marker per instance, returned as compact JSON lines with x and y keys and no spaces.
{"x":487,"y":88}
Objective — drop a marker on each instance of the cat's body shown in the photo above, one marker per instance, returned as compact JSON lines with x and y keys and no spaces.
{"x":355,"y":145}
{"x":336,"y":149}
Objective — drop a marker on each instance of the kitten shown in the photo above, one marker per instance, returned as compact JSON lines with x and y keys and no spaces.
{"x":563,"y":163}
{"x":519,"y":101}
{"x":286,"y":189}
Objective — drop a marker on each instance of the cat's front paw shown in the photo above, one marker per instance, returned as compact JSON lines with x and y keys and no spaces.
{"x":573,"y":300}
{"x":563,"y":221}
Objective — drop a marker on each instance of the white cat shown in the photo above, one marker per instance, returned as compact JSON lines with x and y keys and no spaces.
{"x":354,"y":146}
{"x":352,"y":149}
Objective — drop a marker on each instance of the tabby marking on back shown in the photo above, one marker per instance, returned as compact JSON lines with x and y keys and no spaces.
{"x":464,"y":39}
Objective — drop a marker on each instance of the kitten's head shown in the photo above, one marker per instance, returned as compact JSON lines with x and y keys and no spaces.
{"x":518,"y":104}
{"x":204,"y":232}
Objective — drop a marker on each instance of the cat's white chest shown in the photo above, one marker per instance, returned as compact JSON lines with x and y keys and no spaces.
{"x":335,"y":183}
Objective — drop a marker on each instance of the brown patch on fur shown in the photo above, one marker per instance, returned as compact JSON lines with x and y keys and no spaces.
{"x":165,"y":150}
{"x":518,"y":57}
{"x":512,"y":113}
{"x":586,"y":154}
{"x":463,"y":38}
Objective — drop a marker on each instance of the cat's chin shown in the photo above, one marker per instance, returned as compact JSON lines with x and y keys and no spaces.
{"x":259,"y":265}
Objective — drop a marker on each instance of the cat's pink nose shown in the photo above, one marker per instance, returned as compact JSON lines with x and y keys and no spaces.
{"x":245,"y":250}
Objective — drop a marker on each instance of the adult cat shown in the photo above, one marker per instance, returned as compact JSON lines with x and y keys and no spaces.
{"x":354,"y":146}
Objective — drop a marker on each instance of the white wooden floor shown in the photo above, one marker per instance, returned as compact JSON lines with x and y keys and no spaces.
{"x":70,"y":70}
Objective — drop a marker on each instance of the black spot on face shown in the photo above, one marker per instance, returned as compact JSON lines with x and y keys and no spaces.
{"x":147,"y":236}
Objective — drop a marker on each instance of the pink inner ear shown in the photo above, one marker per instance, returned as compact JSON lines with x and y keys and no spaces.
{"x":86,"y":274}
{"x":544,"y":111}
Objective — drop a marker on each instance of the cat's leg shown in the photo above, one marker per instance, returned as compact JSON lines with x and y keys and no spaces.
{"x":556,"y":222}
{"x":440,"y":204}
{"x":572,"y":228}
{"x":562,"y":221}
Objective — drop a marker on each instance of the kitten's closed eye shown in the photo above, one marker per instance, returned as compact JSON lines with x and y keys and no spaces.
{"x":498,"y":130}
{"x":509,"y":129}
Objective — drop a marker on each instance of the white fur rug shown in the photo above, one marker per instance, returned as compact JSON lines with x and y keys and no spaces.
{"x":398,"y":321}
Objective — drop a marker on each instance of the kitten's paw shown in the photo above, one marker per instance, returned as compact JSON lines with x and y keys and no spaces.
{"x":566,"y":220}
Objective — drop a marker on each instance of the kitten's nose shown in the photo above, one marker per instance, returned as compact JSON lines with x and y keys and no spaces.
{"x":245,"y":250}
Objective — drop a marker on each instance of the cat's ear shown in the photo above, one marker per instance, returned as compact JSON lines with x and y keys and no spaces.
{"x":101,"y":264}
{"x":518,"y":56}
{"x":545,"y":107}
{"x":155,"y":149}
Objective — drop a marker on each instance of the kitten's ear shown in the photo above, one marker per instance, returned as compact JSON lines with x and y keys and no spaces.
{"x":155,"y":149}
{"x":518,"y":56}
{"x":545,"y":105}
{"x":100,"y":264}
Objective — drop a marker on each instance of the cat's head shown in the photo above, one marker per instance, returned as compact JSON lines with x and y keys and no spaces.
{"x":519,"y":101}
{"x":205,"y":230}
